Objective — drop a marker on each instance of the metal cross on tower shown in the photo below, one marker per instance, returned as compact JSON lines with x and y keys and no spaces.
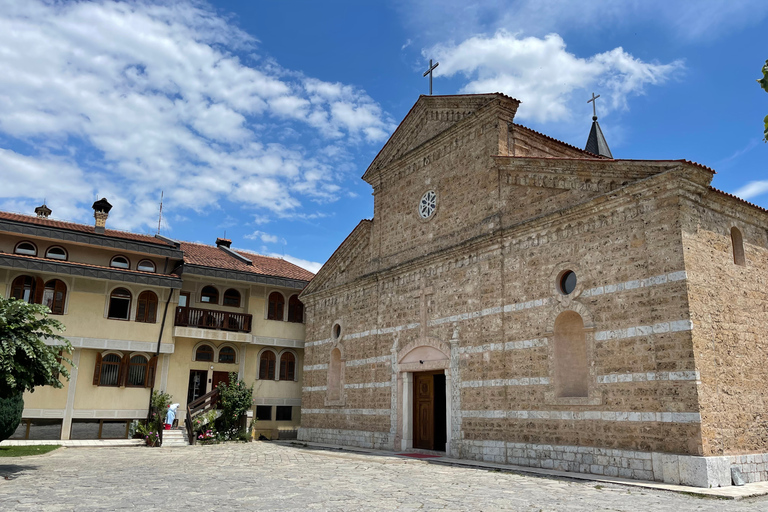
{"x":429,"y":72}
{"x":594,"y":110}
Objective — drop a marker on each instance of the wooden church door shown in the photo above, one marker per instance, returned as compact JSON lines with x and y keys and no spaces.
{"x":423,"y":411}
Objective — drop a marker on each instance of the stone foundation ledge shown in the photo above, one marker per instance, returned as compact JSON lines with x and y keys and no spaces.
{"x":358,"y":438}
{"x":675,"y":469}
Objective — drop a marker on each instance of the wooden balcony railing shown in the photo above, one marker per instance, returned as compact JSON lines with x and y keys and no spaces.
{"x":209,"y":319}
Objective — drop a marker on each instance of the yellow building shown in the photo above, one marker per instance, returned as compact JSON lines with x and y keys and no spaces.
{"x":146,"y":312}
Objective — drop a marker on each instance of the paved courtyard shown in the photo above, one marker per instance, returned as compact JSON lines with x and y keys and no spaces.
{"x":266,"y":476}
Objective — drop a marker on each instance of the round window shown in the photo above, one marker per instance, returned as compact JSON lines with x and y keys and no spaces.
{"x":568,"y":282}
{"x":427,"y":204}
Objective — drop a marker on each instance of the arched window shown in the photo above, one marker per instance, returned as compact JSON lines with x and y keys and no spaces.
{"x":210,"y":295}
{"x":24,"y":288}
{"x":137,"y":372}
{"x":334,"y":376}
{"x":54,"y":296}
{"x":276,"y":306}
{"x":146,"y":266}
{"x":232,"y":298}
{"x":571,"y":366}
{"x":146,"y":307}
{"x":267,"y":365}
{"x":738,"y":247}
{"x":120,"y":262}
{"x":227,"y":355}
{"x":26,"y":248}
{"x":295,"y":309}
{"x":119,"y":304}
{"x":287,"y":366}
{"x":204,"y":353}
{"x":56,"y":253}
{"x":109,"y":371}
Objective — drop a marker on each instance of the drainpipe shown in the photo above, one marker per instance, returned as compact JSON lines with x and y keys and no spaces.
{"x":157,"y":352}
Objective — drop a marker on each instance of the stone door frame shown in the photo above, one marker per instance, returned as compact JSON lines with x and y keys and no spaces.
{"x":428,"y":355}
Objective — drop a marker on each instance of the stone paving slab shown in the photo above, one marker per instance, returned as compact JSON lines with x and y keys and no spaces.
{"x":93,"y":443}
{"x":271,"y":476}
{"x":731,"y":492}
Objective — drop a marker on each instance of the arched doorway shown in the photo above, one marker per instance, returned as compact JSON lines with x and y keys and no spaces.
{"x":424,"y":397}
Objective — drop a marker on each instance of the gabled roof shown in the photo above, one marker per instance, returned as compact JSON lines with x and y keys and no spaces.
{"x":586,"y":152}
{"x":213,"y":257}
{"x":418,"y":127}
{"x":82,"y":228}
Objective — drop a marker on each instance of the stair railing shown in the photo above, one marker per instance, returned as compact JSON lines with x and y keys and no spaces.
{"x":199,"y":407}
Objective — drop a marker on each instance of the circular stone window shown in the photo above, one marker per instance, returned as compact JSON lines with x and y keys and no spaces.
{"x":427,"y":204}
{"x":567,"y":282}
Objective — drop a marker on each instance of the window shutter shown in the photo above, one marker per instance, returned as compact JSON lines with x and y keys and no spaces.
{"x":271,"y":372}
{"x":59,"y":297}
{"x":39,"y":290}
{"x":263,"y":367}
{"x":97,"y":370}
{"x":123,"y":372}
{"x":17,"y":288}
{"x":291,"y":370}
{"x":151,"y":371}
{"x":152,"y":308}
{"x":141,"y":310}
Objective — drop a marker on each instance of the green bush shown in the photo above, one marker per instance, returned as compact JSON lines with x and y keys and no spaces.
{"x":10,"y":415}
{"x":235,"y":399}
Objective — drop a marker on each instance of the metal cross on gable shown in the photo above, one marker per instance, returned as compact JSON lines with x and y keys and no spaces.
{"x":429,"y":72}
{"x":592,"y":101}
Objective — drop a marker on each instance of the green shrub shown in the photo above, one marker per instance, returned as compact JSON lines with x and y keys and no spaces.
{"x":10,"y":415}
{"x":235,"y":399}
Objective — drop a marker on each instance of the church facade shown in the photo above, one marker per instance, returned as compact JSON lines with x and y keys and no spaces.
{"x":518,"y":300}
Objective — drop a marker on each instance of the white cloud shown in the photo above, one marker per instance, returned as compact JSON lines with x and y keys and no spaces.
{"x":543,"y":74}
{"x":681,"y":20}
{"x":265,"y":237}
{"x":130,"y":98}
{"x":752,"y":189}
{"x":312,"y":266}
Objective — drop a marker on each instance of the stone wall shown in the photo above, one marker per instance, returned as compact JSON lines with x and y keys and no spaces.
{"x":729,"y":313}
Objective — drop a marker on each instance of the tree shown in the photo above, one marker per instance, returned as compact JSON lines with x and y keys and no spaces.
{"x":26,"y":361}
{"x":764,"y":84}
{"x":235,"y":400}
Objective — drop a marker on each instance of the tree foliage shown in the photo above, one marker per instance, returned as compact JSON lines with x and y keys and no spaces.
{"x":26,"y":361}
{"x":764,"y":84}
{"x":236,"y":399}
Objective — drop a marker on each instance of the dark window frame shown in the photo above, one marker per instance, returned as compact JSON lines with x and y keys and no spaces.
{"x":146,"y":307}
{"x":34,"y":246}
{"x":201,"y":346}
{"x":209,"y":295}
{"x":275,"y":306}
{"x":127,"y":262}
{"x":281,"y":411}
{"x":267,"y":363}
{"x":48,"y":251}
{"x":230,"y":297}
{"x":113,"y":296}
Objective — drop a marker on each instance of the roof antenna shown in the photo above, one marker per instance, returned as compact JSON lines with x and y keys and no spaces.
{"x":160,"y":217}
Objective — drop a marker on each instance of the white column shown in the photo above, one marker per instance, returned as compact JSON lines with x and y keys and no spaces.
{"x":66,"y":423}
{"x":164,"y":372}
{"x":241,"y":369}
{"x":407,"y":412}
{"x":448,"y":400}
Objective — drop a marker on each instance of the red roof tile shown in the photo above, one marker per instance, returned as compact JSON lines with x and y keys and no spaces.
{"x":83,"y":228}
{"x":753,"y":205}
{"x":210,"y":256}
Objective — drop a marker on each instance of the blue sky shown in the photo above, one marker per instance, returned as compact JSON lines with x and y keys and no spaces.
{"x":258,"y":118}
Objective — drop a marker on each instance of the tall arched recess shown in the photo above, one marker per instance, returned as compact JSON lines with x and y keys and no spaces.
{"x":571,"y":365}
{"x":334,"y":376}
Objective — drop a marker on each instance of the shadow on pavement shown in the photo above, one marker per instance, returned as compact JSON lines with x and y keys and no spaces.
{"x":11,"y":471}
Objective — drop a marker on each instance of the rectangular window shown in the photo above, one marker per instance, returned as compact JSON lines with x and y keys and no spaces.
{"x":284,"y":413}
{"x":264,"y":412}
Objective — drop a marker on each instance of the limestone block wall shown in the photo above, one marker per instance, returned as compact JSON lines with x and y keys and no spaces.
{"x":729,"y":311}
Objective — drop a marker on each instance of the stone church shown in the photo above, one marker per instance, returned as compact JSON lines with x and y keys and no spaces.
{"x":519,"y":300}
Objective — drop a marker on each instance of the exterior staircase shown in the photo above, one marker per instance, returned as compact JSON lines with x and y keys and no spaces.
{"x":174,"y":437}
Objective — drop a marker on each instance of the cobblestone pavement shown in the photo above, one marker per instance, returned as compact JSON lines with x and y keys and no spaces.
{"x":266,"y":476}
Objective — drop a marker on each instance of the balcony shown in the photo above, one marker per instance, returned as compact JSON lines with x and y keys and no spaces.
{"x":209,"y":319}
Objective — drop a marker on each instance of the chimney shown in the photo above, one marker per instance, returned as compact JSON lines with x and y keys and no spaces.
{"x":42,"y":211}
{"x":226,"y":242}
{"x":100,"y":213}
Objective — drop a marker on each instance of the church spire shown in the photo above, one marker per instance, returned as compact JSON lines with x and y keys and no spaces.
{"x":596,"y":141}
